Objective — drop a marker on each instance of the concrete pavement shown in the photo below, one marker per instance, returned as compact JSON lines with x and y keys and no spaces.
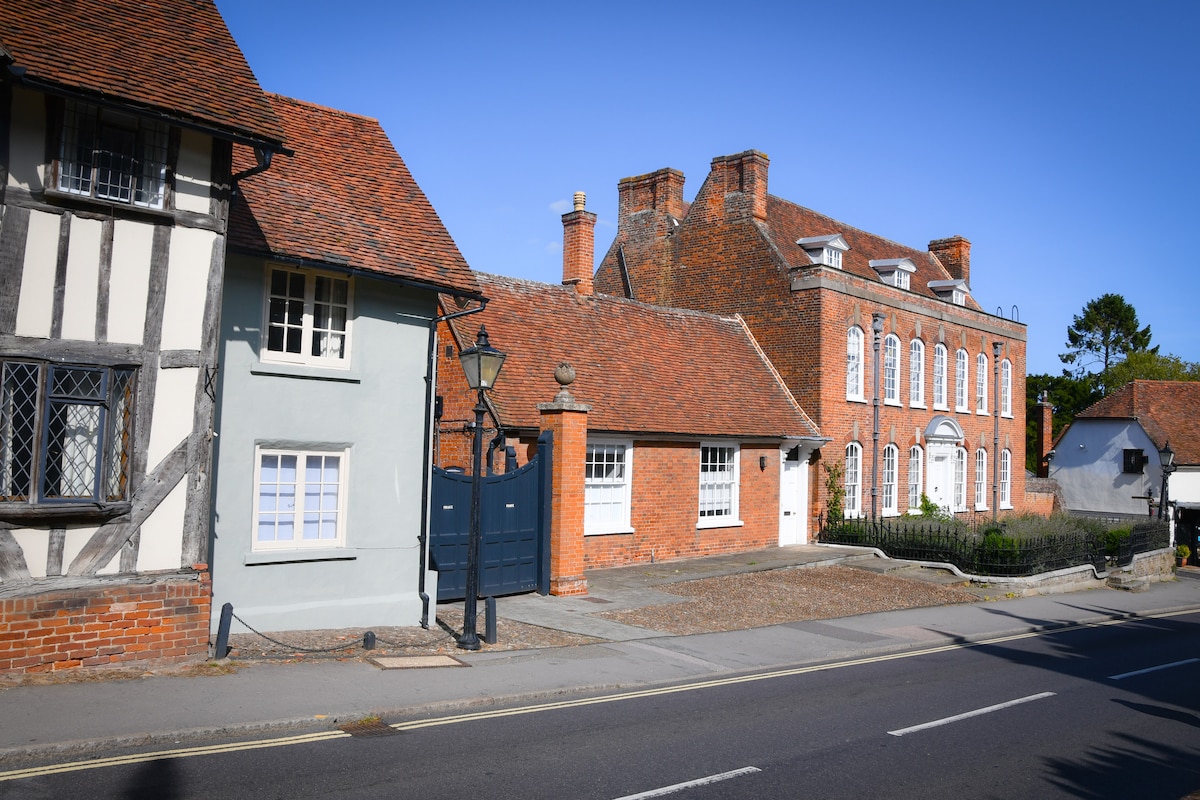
{"x":76,"y":719}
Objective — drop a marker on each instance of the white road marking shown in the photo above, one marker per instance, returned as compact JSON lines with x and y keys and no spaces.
{"x":969,"y":714}
{"x":1153,"y":669}
{"x":679,"y":787}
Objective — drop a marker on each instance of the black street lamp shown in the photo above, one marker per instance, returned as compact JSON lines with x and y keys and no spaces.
{"x":1166,"y":459}
{"x":481,"y":364}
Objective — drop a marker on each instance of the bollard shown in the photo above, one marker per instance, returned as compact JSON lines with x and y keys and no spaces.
{"x":489,"y":620}
{"x":369,"y":640}
{"x":221,"y":648}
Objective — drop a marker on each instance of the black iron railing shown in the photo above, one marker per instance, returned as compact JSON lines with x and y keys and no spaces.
{"x":990,"y":550}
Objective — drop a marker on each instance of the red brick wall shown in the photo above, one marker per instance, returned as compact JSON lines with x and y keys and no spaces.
{"x":117,"y":623}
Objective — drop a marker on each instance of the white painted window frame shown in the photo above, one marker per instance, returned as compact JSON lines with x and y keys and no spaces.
{"x":852,"y":481}
{"x":891,"y":370}
{"x":1006,"y":388}
{"x":981,"y":384}
{"x":961,"y":379}
{"x":916,"y":374}
{"x":940,"y":355}
{"x":891,"y":501}
{"x":309,"y":327}
{"x":916,"y":469}
{"x":981,"y":474}
{"x":711,"y":484}
{"x":960,"y":479}
{"x":605,"y":491}
{"x":298,"y":508}
{"x":854,"y":364}
{"x":1006,"y":478}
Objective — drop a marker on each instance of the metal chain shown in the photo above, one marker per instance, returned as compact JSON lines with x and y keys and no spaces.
{"x":333,"y":649}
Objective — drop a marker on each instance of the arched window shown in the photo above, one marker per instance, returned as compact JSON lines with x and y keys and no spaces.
{"x":854,"y":363}
{"x":916,"y":373}
{"x":939,"y":376}
{"x":890,"y":501}
{"x":1006,"y":388}
{"x":960,"y":380}
{"x":981,"y":371}
{"x":853,"y":500}
{"x":1005,"y":479}
{"x":960,"y":479}
{"x":916,"y":465}
{"x":891,"y":369}
{"x":981,"y":480}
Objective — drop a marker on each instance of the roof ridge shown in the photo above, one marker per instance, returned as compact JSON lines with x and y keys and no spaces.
{"x":856,"y":228}
{"x":273,"y":96}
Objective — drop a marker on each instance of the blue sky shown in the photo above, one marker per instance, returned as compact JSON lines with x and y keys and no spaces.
{"x":1060,"y":136}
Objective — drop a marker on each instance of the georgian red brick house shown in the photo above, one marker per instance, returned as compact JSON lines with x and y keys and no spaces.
{"x":846,"y":317}
{"x":694,"y":446}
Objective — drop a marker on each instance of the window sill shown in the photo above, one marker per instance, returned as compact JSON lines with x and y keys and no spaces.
{"x":921,"y":406}
{"x":61,"y":513}
{"x":856,"y":399}
{"x":895,"y":403}
{"x":612,"y":532}
{"x":982,"y":413}
{"x":306,"y":372}
{"x":292,"y":556}
{"x":709,"y":524}
{"x":108,"y":207}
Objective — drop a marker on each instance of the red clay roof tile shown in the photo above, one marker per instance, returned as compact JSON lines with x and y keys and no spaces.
{"x":172,"y":56}
{"x":344,"y":197}
{"x":1167,"y":410}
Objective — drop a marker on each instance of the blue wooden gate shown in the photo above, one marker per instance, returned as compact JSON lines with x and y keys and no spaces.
{"x":514,"y":521}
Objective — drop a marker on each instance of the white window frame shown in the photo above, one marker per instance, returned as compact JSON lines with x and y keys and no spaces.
{"x":939,"y":377}
{"x":602,"y":493}
{"x":1006,"y":478}
{"x":961,"y":379}
{"x":981,"y":472}
{"x":916,"y":468}
{"x":891,"y":502}
{"x":916,"y":374}
{"x":852,"y":481}
{"x":718,"y":488}
{"x":891,"y":370}
{"x":1006,"y":388}
{"x":832,"y":257}
{"x":309,"y":327}
{"x":854,"y":364}
{"x":981,"y":384}
{"x":960,"y":479}
{"x":301,"y":514}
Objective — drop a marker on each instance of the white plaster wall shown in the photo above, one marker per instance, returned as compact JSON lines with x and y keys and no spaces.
{"x":187,"y":285}
{"x":192,"y":173}
{"x":162,"y":534}
{"x":34,"y":545}
{"x":27,"y":145}
{"x":1087,"y":465}
{"x":174,"y":401}
{"x":75,"y":540}
{"x":129,"y":281}
{"x":1184,"y":486}
{"x":36,"y":303}
{"x":83,"y":275}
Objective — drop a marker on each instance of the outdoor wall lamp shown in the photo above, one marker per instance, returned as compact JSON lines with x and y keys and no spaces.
{"x":1166,"y":459}
{"x":762,"y":463}
{"x":481,"y":364}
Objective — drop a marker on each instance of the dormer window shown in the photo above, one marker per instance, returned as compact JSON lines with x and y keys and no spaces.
{"x":894,"y":271}
{"x":954,"y":291}
{"x":825,"y":250}
{"x":113,"y":156}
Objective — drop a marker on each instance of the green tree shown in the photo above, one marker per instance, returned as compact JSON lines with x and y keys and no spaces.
{"x":1106,"y":331}
{"x":1148,"y":365}
{"x":1067,"y":394}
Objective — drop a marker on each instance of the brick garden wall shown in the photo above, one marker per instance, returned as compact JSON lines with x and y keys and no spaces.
{"x":160,"y":619}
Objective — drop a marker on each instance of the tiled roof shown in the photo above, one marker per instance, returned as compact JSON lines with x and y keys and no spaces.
{"x":172,"y":56}
{"x":788,"y":222}
{"x":345,"y":198}
{"x":642,"y":368}
{"x":1166,"y":410}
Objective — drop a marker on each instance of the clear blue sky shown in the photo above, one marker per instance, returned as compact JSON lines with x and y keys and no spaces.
{"x":1062,"y":137}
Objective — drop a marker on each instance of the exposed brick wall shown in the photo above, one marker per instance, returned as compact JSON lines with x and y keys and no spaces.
{"x":160,"y":619}
{"x":567,"y":562}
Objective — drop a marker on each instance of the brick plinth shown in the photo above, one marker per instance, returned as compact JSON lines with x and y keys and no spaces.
{"x":567,"y":421}
{"x":159,"y":619}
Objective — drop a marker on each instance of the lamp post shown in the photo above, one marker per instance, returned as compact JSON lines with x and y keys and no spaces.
{"x":1166,"y":459}
{"x":481,"y":364}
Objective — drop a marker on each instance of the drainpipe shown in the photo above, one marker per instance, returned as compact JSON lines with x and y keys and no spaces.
{"x":876,"y":335}
{"x":263,"y":157}
{"x":996,"y":348}
{"x":427,"y":473}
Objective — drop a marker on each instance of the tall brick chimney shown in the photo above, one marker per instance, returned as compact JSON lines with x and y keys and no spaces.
{"x":579,"y":246}
{"x":661,"y":190}
{"x":744,"y":177}
{"x":1045,"y":434}
{"x":955,"y":255}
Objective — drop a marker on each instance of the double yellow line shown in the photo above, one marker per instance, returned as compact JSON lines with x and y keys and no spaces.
{"x":286,"y":741}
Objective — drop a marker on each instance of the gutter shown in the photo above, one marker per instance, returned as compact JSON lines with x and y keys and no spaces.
{"x":427,"y":474}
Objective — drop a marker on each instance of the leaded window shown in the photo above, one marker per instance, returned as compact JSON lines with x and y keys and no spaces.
{"x":113,"y":156}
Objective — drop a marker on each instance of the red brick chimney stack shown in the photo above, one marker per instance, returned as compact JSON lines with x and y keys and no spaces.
{"x":579,"y":246}
{"x":955,"y":255}
{"x":661,"y":190}
{"x":744,"y":174}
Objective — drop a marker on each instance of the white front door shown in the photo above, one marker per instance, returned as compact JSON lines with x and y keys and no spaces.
{"x":939,"y":478}
{"x":792,"y":499}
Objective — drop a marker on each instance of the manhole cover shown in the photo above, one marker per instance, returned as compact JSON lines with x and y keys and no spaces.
{"x":368,"y":727}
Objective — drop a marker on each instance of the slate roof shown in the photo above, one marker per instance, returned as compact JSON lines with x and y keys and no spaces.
{"x":644,"y":369}
{"x":788,"y":222}
{"x":1166,"y":410}
{"x":346,"y":199}
{"x":175,"y":57}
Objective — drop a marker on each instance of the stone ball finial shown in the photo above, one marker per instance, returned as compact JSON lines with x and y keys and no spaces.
{"x":565,"y":375}
{"x":580,"y":201}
